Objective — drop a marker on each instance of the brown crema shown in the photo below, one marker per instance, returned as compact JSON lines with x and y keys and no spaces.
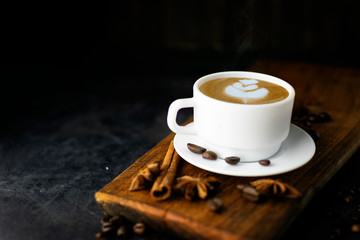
{"x":216,"y":89}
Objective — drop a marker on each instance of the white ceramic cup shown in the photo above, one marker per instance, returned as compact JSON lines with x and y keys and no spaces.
{"x":249,"y":131}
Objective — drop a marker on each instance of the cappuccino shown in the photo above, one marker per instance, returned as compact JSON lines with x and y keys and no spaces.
{"x":244,"y":90}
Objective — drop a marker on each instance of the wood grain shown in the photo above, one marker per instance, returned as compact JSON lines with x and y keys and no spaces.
{"x":320,"y":88}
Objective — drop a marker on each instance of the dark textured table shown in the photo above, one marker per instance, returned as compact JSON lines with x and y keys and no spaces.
{"x":65,"y":133}
{"x":63,"y":140}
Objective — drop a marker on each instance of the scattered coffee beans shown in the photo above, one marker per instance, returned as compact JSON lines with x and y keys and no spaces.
{"x":321,"y":117}
{"x":250,"y":193}
{"x":112,"y":226}
{"x":121,"y":229}
{"x":195,"y":148}
{"x":303,"y":117}
{"x":232,"y":160}
{"x":215,"y":204}
{"x":109,"y":224}
{"x":139,"y":228}
{"x":209,"y":155}
{"x":264,"y":162}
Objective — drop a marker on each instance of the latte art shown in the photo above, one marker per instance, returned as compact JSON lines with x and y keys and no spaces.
{"x":244,"y":90}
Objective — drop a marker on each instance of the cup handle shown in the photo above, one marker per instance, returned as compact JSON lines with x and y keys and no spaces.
{"x":172,"y":113}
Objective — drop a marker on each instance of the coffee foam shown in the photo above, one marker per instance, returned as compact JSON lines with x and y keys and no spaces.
{"x":244,"y":90}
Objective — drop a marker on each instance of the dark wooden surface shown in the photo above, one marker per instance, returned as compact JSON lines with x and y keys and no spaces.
{"x":320,"y":88}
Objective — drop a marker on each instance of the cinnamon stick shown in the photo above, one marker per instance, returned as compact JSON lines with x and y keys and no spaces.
{"x":162,"y":187}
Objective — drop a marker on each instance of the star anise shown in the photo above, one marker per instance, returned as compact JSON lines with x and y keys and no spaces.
{"x":196,"y":187}
{"x":271,"y":187}
{"x":145,"y":176}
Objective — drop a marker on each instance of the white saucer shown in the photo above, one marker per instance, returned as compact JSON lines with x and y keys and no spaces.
{"x":297,"y":149}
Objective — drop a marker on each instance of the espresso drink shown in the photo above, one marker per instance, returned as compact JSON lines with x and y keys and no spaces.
{"x":244,"y":90}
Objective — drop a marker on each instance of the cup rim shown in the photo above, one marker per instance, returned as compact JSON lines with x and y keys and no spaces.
{"x":246,"y":74}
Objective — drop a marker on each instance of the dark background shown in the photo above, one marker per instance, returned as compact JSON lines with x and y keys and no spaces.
{"x":119,"y":37}
{"x":59,"y":46}
{"x":137,"y":33}
{"x":85,"y":88}
{"x":66,"y":43}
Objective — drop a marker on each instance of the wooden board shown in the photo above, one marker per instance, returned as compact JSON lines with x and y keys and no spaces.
{"x":320,"y":88}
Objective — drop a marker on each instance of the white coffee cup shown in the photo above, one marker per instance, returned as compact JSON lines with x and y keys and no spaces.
{"x":249,"y":131}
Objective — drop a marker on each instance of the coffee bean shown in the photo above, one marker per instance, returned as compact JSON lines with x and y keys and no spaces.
{"x":107,"y":229}
{"x":305,"y":123}
{"x":264,"y":162}
{"x":99,"y":236}
{"x":232,"y":160}
{"x":105,"y":220}
{"x":215,"y":204}
{"x":195,"y":148}
{"x":122,"y":231}
{"x":313,"y":118}
{"x":324,"y":117}
{"x":251,"y":194}
{"x":209,"y":155}
{"x":106,"y":224}
{"x":139,"y":228}
{"x":355,"y":228}
{"x":111,"y":221}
